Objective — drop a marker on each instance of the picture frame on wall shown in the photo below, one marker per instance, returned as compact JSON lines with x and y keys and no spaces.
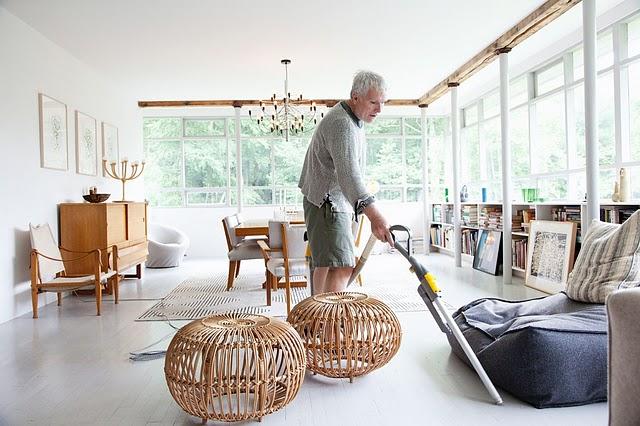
{"x":86,"y":145}
{"x":488,"y":256}
{"x":110,"y":146}
{"x":550,"y":255}
{"x":53,"y":133}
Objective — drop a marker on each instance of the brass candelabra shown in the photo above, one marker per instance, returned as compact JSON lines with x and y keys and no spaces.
{"x":127,"y":171}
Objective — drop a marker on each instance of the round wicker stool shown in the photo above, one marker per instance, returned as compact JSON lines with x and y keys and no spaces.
{"x":234,"y":367}
{"x":346,"y":334}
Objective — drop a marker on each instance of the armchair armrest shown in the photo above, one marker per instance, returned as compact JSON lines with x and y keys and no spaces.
{"x":266,"y":250}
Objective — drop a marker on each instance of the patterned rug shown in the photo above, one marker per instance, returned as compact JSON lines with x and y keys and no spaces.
{"x":197,"y":298}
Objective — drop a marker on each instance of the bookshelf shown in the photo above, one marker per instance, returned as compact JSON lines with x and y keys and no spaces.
{"x":476,"y":216}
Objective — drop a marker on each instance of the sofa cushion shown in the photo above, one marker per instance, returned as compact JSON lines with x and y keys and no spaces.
{"x":536,"y":349}
{"x":608,"y":261}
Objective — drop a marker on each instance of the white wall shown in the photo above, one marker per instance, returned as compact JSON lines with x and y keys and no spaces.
{"x":203,"y":226}
{"x":32,"y":64}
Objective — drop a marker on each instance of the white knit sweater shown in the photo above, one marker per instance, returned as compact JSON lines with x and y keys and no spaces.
{"x":332,"y":164}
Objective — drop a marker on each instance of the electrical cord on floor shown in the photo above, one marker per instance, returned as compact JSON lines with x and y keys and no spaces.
{"x":145,"y":355}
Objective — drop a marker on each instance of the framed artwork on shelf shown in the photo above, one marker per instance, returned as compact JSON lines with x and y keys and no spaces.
{"x":53,"y":133}
{"x":110,"y":147}
{"x":86,"y":145}
{"x":488,"y":255}
{"x":550,"y":255}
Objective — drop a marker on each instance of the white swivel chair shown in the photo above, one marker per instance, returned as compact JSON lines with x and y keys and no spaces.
{"x":167,"y":246}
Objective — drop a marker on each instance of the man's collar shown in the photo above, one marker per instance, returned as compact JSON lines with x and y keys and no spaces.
{"x":353,"y":116}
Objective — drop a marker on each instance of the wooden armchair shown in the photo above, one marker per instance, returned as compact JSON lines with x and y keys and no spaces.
{"x":239,"y":249}
{"x":48,"y":269}
{"x":284,"y":256}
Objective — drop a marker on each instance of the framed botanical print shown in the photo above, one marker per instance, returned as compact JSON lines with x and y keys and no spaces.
{"x":550,"y":255}
{"x":110,"y":147}
{"x":53,"y":133}
{"x":86,"y":145}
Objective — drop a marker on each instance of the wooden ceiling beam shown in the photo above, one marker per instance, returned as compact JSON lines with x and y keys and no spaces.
{"x":528,"y":26}
{"x":256,"y":102}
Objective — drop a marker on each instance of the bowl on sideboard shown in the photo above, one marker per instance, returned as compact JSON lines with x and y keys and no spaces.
{"x":96,"y":198}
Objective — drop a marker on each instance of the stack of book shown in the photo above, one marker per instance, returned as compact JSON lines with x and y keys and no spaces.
{"x":490,"y":218}
{"x":567,"y":214}
{"x":470,"y":215}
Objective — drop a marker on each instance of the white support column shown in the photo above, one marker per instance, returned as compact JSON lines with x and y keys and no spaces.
{"x":590,"y":110}
{"x":238,"y":159}
{"x":455,"y":191}
{"x":506,"y":165}
{"x":426,"y":210}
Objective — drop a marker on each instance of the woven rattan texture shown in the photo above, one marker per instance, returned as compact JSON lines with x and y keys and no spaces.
{"x":346,"y":334}
{"x":234,"y":367}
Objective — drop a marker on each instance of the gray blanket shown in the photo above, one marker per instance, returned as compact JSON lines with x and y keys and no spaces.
{"x":549,"y":352}
{"x":497,"y":317}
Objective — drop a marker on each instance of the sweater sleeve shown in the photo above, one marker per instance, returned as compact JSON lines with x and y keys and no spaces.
{"x":343,"y":148}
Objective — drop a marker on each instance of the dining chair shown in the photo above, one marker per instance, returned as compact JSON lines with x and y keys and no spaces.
{"x":285,"y":256}
{"x":48,"y":268}
{"x":239,"y":248}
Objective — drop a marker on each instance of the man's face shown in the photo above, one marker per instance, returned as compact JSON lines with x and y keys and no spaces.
{"x":367,"y":107}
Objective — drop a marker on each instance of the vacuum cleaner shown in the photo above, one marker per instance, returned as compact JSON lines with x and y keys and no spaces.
{"x":428,"y":290}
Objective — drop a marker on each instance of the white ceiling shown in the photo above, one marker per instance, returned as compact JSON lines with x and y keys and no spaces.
{"x":206,"y":49}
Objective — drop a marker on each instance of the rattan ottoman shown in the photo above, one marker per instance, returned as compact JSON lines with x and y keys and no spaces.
{"x":234,"y":367}
{"x":346,"y":334}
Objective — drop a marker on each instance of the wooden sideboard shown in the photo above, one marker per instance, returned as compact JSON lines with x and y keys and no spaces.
{"x":87,"y":226}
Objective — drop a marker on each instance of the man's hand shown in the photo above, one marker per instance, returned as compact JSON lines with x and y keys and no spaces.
{"x":379,"y":226}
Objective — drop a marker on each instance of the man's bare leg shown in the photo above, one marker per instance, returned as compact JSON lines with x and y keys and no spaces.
{"x":319,"y":278}
{"x":327,"y":279}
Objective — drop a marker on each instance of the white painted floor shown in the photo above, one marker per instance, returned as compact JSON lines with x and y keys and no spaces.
{"x":71,"y":368}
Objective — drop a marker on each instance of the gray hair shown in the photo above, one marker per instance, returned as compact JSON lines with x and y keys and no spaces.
{"x":363,"y":81}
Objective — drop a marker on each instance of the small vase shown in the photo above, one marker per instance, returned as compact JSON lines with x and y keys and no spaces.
{"x":624,"y":188}
{"x":616,"y":193}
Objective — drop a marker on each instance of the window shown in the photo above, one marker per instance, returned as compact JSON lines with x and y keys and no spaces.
{"x":549,"y":78}
{"x":548,"y":147}
{"x":633,"y":29}
{"x":604,"y":56}
{"x":606,"y":130}
{"x":634,"y":109}
{"x":491,"y":105}
{"x":519,"y":132}
{"x":470,"y":115}
{"x":492,"y":145}
{"x":518,"y":91}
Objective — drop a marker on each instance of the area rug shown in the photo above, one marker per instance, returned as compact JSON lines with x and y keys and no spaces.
{"x":198,"y":298}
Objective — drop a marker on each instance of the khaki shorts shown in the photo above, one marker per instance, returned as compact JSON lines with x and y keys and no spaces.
{"x":330,"y":236}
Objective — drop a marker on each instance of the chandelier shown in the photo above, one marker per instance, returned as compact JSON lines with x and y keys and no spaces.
{"x":285,"y":116}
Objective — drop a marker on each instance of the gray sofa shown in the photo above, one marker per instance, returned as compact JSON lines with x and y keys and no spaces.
{"x":623,"y":307}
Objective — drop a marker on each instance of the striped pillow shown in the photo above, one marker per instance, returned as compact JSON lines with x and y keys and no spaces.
{"x":608,"y":260}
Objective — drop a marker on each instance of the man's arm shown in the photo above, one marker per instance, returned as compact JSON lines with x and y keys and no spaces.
{"x":379,"y":225}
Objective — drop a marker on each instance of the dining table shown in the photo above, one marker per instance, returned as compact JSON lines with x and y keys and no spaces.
{"x":259,"y":228}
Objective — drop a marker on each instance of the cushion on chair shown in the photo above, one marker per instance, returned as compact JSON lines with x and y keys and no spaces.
{"x":246,"y":250}
{"x":296,"y":267}
{"x":608,"y":260}
{"x":549,"y":352}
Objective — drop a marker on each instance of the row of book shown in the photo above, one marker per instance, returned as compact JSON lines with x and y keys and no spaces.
{"x":442,"y":213}
{"x":470,"y":215}
{"x":469,"y":241}
{"x":442,"y":236}
{"x":519,"y":253}
{"x":615,"y":214}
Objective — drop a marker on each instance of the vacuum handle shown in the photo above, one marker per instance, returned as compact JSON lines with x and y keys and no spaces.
{"x":418,"y":268}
